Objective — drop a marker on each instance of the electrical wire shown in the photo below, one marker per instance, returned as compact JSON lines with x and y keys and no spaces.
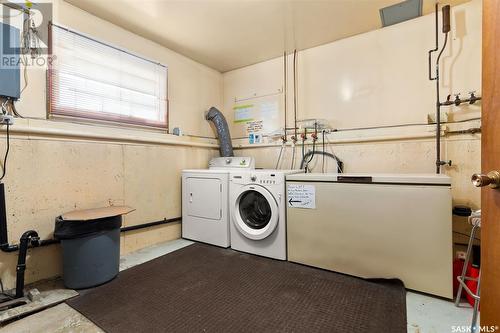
{"x":313,"y":151}
{"x":4,"y":106}
{"x":4,"y":167}
{"x":25,"y":74}
{"x":294,"y":139}
{"x":14,"y":109}
{"x":323,"y":162}
{"x":285,"y":88}
{"x":340,"y":165}
{"x":463,"y":234}
{"x":304,"y":145}
{"x":295,"y":92}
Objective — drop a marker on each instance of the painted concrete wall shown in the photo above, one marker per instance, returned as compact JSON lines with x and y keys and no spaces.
{"x":56,"y":166}
{"x":378,"y":79}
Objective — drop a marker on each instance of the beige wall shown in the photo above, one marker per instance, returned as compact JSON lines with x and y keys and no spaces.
{"x":374,"y":79}
{"x":55,"y":166}
{"x":378,"y":79}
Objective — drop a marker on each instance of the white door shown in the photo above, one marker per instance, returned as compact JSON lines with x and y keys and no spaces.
{"x":256,"y":213}
{"x":204,"y":198}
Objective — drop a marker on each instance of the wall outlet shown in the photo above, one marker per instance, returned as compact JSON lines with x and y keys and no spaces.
{"x":461,"y":255}
{"x":6,"y":119}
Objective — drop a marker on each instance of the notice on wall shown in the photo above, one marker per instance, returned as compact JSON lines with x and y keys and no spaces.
{"x":255,"y":126}
{"x":301,"y":196}
{"x":260,"y":114}
{"x":243,"y":113}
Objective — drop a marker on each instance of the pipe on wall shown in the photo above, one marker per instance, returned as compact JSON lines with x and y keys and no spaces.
{"x":28,"y":238}
{"x":6,"y":247}
{"x":79,"y":133}
{"x":220,"y":123}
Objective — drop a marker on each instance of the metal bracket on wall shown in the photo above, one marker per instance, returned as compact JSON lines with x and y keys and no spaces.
{"x":254,"y":96}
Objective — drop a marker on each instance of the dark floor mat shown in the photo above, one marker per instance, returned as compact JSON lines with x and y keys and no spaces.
{"x":201,"y":288}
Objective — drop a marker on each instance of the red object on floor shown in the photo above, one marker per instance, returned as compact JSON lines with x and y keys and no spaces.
{"x":458,"y":265}
{"x":472,"y":272}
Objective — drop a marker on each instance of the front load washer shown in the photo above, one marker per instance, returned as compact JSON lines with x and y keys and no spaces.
{"x":258,"y":212}
{"x":205,"y":195}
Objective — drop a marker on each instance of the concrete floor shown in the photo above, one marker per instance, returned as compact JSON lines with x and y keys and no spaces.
{"x":426,"y":314}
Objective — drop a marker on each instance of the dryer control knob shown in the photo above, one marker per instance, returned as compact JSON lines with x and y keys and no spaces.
{"x":253,"y":178}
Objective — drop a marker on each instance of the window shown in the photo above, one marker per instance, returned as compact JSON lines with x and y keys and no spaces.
{"x":89,"y":79}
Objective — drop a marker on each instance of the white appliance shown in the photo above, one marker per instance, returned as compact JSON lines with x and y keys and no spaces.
{"x":258,"y":212}
{"x":205,"y":195}
{"x":374,"y":226}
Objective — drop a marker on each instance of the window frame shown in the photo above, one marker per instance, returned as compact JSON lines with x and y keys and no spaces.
{"x":92,"y":117}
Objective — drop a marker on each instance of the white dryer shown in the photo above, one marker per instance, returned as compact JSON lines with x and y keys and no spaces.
{"x":258,"y":212}
{"x":205,"y":194}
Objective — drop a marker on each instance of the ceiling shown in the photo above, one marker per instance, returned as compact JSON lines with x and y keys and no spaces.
{"x":229,"y":34}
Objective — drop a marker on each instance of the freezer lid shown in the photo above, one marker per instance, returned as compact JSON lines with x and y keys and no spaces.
{"x":377,"y":178}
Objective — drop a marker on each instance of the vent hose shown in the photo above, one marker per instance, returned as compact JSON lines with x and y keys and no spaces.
{"x":220,"y":123}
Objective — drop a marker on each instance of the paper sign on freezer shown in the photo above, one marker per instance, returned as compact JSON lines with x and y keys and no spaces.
{"x":301,"y":196}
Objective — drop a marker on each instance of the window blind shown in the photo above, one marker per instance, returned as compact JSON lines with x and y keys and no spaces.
{"x":90,"y":79}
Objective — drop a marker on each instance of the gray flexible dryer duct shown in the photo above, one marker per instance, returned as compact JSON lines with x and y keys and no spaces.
{"x":218,"y":119}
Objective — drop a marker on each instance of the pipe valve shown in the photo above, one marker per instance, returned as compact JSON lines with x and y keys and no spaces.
{"x":441,"y":163}
{"x":473,"y":98}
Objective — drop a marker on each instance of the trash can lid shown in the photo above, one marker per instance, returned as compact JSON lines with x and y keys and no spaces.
{"x":96,"y":213}
{"x":88,"y":222}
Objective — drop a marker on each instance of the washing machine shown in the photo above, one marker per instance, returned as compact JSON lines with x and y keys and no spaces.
{"x":257,"y":202}
{"x":205,"y":195}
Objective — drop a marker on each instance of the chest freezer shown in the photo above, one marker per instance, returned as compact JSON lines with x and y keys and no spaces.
{"x":374,"y":226}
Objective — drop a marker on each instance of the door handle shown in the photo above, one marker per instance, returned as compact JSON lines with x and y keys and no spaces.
{"x":492,"y":179}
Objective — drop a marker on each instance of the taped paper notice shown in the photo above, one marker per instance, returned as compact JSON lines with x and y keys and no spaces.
{"x":243,"y":113}
{"x":301,"y":196}
{"x":255,"y":126}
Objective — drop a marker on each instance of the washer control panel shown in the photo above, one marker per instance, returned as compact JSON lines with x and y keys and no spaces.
{"x":265,"y":180}
{"x":255,"y":177}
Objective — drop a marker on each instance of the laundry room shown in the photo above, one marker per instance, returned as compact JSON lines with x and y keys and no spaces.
{"x":249,"y":165}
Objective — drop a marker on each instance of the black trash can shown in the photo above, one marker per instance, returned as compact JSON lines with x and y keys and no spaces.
{"x":91,"y":249}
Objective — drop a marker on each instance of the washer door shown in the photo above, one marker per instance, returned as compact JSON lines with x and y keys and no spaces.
{"x":256,"y":212}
